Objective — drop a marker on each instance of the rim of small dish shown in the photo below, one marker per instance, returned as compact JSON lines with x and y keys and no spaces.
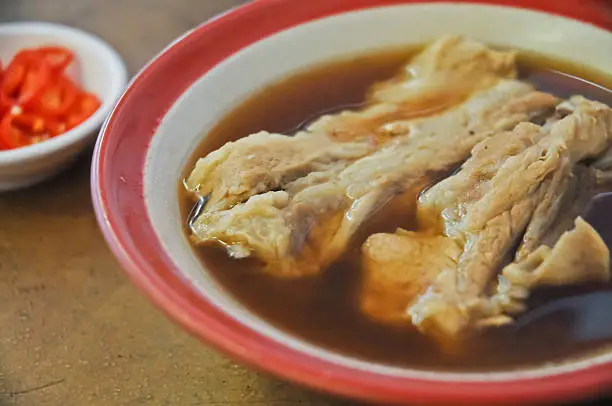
{"x":117,"y":191}
{"x":89,"y":126}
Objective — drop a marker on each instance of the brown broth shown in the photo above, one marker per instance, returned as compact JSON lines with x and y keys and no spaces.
{"x":323,"y":309}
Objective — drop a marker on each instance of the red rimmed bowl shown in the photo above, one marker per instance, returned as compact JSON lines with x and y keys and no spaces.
{"x":192,"y":84}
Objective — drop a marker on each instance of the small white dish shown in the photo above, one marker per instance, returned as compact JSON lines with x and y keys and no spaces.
{"x":98,"y":69}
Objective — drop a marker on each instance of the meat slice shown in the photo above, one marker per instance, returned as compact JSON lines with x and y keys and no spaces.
{"x":580,"y":256}
{"x":445,"y":74}
{"x":272,"y":226}
{"x":365,"y":173}
{"x":256,"y":223}
{"x":264,"y":162}
{"x":399,"y":267}
{"x":556,"y":213}
{"x":505,"y":191}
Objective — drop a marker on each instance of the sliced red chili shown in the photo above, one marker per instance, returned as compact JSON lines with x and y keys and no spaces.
{"x":35,"y":139}
{"x":18,"y":130}
{"x":11,"y":136}
{"x":55,"y":127}
{"x":5,"y":104}
{"x":75,"y":119}
{"x":83,"y":109}
{"x":12,"y":78}
{"x":57,"y":98}
{"x":29,"y":122}
{"x":58,"y":58}
{"x":25,"y":55}
{"x":89,"y":103}
{"x":37,"y":76}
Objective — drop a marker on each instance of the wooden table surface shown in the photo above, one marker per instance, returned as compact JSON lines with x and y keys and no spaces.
{"x":73,"y":330}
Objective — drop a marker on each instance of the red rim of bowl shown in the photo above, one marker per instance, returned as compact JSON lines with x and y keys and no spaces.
{"x":117,"y":191}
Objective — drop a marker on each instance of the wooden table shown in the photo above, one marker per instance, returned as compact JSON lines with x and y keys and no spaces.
{"x":73,"y":330}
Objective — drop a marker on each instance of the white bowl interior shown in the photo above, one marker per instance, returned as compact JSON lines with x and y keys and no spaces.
{"x":187,"y":122}
{"x":98,"y":69}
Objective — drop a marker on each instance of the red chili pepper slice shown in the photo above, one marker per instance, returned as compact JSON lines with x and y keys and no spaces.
{"x":12,"y":78}
{"x":58,"y":58}
{"x":10,"y":136}
{"x":29,"y":122}
{"x":55,"y":127}
{"x":18,"y":130}
{"x":84,"y":108}
{"x":89,"y":103}
{"x":24,"y":55}
{"x":5,"y":104}
{"x":57,"y":98}
{"x":36,"y":77}
{"x":24,"y":78}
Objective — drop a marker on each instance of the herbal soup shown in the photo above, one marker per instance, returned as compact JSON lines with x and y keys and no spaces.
{"x":419,"y":208}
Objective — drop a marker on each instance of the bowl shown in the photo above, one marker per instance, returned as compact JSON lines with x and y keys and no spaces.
{"x":193,"y":83}
{"x":98,"y":69}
